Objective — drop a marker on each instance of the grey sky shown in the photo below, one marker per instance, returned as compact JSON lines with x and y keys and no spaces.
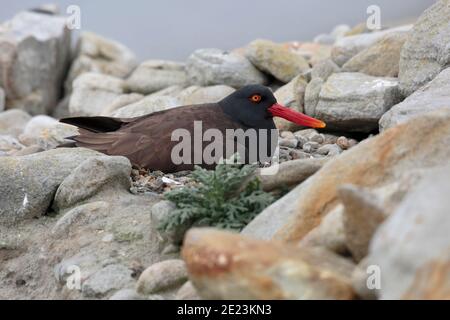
{"x":172,"y":29}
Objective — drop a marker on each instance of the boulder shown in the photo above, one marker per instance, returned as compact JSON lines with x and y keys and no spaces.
{"x":425,"y":53}
{"x":433,"y":96}
{"x":412,"y":247}
{"x":223,"y":265}
{"x":35,"y":51}
{"x":324,"y":69}
{"x":92,"y":92}
{"x":121,"y":101}
{"x":12,"y":122}
{"x":154,"y":75}
{"x":380,"y":59}
{"x":2,"y":99}
{"x":146,"y":105}
{"x":199,"y":95}
{"x":276,"y":59}
{"x":94,"y":53}
{"x":354,"y":101}
{"x":28,"y":183}
{"x":213,"y":66}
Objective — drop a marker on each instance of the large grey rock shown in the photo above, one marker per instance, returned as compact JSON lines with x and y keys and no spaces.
{"x":9,"y":144}
{"x":199,"y":95}
{"x":147,"y":105}
{"x":426,"y":51}
{"x":111,"y":277}
{"x":28,"y":183}
{"x":355,"y":101}
{"x":214,"y":66}
{"x":97,"y":54}
{"x":92,"y":92}
{"x":276,"y":59}
{"x":154,"y":75}
{"x":412,"y":248}
{"x":93,"y":176}
{"x":380,"y":59}
{"x":324,"y":69}
{"x":121,"y":101}
{"x":347,"y":47}
{"x":34,"y":55}
{"x":12,"y":122}
{"x":312,"y":92}
{"x":434,"y":95}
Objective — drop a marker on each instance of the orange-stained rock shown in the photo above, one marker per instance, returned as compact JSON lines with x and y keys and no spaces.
{"x":224,"y":265}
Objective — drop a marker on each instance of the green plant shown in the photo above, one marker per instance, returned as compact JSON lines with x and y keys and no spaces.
{"x":228,"y":197}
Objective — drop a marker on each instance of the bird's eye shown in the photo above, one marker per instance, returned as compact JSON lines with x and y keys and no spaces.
{"x":255,"y":98}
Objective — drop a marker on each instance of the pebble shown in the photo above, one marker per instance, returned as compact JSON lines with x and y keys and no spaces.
{"x":290,"y":143}
{"x":329,"y":150}
{"x":310,"y":146}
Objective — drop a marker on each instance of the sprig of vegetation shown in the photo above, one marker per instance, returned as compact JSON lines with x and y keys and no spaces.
{"x":228,"y":197}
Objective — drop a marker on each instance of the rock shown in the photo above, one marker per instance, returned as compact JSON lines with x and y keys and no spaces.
{"x":412,"y":246}
{"x":291,"y":173}
{"x":355,"y":101}
{"x":213,"y":66}
{"x":154,"y":75}
{"x":121,"y":101}
{"x":312,"y":52}
{"x":9,"y":144}
{"x":291,"y":95}
{"x":199,"y":95}
{"x":62,"y":108}
{"x":310,"y":146}
{"x":27,"y":150}
{"x":433,"y":96}
{"x":288,"y":143}
{"x":147,"y":105}
{"x":159,"y":212}
{"x":35,"y":55}
{"x":375,"y":162}
{"x":425,"y":53}
{"x":94,"y":175}
{"x":360,"y":281}
{"x":162,"y":276}
{"x":2,"y":99}
{"x":380,"y":59}
{"x":329,"y":234}
{"x":46,"y":132}
{"x":347,"y":47}
{"x":330,"y":150}
{"x":298,"y":154}
{"x":92,"y":92}
{"x":324,"y":69}
{"x":97,"y":54}
{"x":187,"y":292}
{"x":224,"y":265}
{"x":275,"y":59}
{"x":312,"y":92}
{"x":126,"y":294}
{"x":28,"y":183}
{"x":111,"y":277}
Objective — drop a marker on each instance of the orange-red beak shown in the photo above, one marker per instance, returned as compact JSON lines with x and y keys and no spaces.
{"x":277,"y":110}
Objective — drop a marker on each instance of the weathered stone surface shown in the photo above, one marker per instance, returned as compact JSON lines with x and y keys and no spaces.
{"x":418,"y":144}
{"x":2,"y":99}
{"x":291,"y":95}
{"x":412,"y":247}
{"x":97,"y":54}
{"x":213,"y":66}
{"x":9,"y":144}
{"x":162,"y":276}
{"x":276,"y":59}
{"x":95,"y":175}
{"x":159,"y":212}
{"x":28,"y":183}
{"x":291,"y":173}
{"x":147,"y":105}
{"x":126,"y":294}
{"x":92,"y":92}
{"x":435,"y":95}
{"x":121,"y":101}
{"x":426,"y":53}
{"x":312,"y":92}
{"x":347,"y":47}
{"x":187,"y":292}
{"x":199,"y":95}
{"x":380,"y":59}
{"x":355,"y":101}
{"x":33,"y":60}
{"x":324,"y":69}
{"x":154,"y":75}
{"x":111,"y":277}
{"x":224,"y":265}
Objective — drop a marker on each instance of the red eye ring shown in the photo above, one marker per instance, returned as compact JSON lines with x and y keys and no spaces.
{"x":255,"y":98}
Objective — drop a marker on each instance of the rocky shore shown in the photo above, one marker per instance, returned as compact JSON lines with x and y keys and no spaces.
{"x":364,"y":206}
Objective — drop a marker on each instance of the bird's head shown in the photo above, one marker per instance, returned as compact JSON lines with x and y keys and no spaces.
{"x":255,"y":105}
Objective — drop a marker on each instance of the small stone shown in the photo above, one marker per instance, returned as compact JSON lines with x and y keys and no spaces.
{"x":329,"y":150}
{"x":343,"y":142}
{"x":102,"y":282}
{"x":287,"y":135}
{"x":187,"y":292}
{"x":290,"y":143}
{"x":126,"y":294}
{"x":161,"y":211}
{"x":310,"y":146}
{"x":298,"y":154}
{"x":319,"y":138}
{"x":10,"y":144}
{"x":162,"y":276}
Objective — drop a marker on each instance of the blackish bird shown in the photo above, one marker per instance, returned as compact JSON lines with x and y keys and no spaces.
{"x":147,"y":141}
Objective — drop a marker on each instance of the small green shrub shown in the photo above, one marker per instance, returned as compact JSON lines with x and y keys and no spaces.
{"x":228,"y":197}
